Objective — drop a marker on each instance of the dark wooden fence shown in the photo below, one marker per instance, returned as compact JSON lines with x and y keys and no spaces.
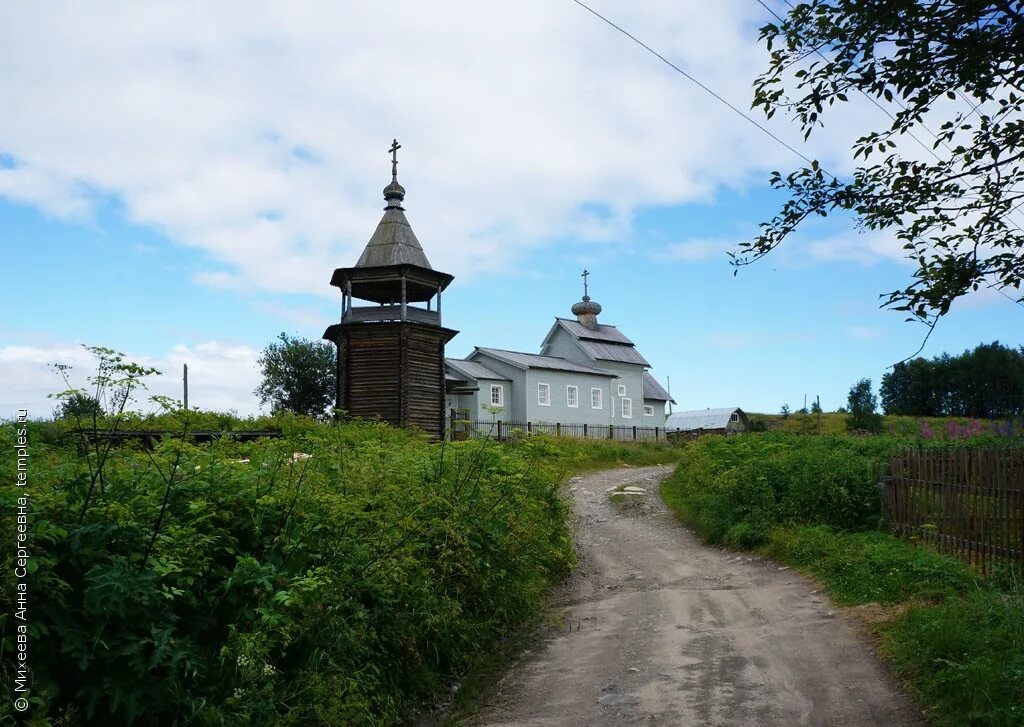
{"x":967,"y":502}
{"x":502,"y":429}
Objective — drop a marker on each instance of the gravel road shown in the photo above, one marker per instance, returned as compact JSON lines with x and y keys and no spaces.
{"x":659,"y":629}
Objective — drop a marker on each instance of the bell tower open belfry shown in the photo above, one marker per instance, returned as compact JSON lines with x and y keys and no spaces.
{"x":391,"y":354}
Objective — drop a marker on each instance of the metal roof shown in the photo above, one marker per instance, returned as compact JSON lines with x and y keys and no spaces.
{"x":473,"y":370}
{"x":605,"y":343}
{"x":700,"y":419}
{"x":534,"y":361}
{"x":393,"y":243}
{"x":612,"y":352}
{"x":603,"y":333}
{"x":653,"y":390}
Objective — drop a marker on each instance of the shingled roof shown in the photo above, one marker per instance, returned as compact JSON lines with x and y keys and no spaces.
{"x":393,"y":243}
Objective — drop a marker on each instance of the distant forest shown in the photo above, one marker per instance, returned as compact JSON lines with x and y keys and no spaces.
{"x":987,"y":382}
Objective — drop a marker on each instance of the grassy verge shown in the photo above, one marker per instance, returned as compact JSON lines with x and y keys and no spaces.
{"x":954,"y":637}
{"x":957,"y":639}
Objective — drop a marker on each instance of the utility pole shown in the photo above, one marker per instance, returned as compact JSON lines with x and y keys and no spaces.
{"x":668,"y":380}
{"x":184,"y":379}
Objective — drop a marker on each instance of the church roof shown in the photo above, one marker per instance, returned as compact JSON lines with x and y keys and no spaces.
{"x":603,"y":343}
{"x":535,"y":361}
{"x":473,"y":370}
{"x":653,"y":390}
{"x":393,"y":243}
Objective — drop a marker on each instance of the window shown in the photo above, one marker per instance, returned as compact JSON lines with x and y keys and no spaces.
{"x":596,"y":399}
{"x":497,"y":395}
{"x":622,"y":389}
{"x":648,"y":411}
{"x":543,"y":395}
{"x":627,"y":408}
{"x":572,"y":396}
{"x":735,"y":417}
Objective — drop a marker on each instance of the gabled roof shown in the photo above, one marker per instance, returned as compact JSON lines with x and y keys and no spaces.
{"x":605,"y":343}
{"x":473,"y":370}
{"x":653,"y":390}
{"x":534,"y":361}
{"x":701,"y":419}
{"x":393,"y":243}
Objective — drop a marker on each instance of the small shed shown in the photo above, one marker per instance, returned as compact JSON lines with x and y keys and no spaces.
{"x":729,"y":420}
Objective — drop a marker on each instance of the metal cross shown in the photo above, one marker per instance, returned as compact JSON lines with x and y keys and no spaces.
{"x":395,"y":146}
{"x":584,"y":276}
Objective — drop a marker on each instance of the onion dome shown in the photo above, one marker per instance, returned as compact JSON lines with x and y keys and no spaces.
{"x":586,"y":307}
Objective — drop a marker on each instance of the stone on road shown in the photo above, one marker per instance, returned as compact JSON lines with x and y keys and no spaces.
{"x":659,"y":629}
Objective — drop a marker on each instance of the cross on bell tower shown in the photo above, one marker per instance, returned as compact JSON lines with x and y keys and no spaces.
{"x":391,"y":353}
{"x":395,"y":146}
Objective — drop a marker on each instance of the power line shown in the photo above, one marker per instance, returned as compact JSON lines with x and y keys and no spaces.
{"x":689,"y":77}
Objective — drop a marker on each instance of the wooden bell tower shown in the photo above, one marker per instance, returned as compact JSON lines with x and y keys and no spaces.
{"x":391,"y":354}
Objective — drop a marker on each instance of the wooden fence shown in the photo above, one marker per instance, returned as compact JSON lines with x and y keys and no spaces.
{"x":967,"y":502}
{"x":502,"y":429}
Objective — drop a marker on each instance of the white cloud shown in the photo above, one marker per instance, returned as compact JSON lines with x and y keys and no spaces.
{"x":222,"y":376}
{"x":865,"y":248}
{"x":696,"y":248}
{"x":257,"y":132}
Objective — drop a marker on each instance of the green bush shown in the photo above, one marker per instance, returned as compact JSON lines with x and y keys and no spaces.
{"x":237,"y":583}
{"x":735,"y":489}
{"x":870,"y":567}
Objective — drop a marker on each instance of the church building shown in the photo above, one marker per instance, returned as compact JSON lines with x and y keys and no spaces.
{"x":586,"y":373}
{"x":391,"y":363}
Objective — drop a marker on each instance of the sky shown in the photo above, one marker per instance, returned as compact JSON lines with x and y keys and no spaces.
{"x":179,"y":180}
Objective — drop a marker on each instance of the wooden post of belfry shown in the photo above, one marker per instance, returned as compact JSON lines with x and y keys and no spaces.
{"x":184,"y":379}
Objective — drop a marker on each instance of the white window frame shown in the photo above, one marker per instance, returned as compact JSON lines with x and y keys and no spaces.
{"x":648,"y":410}
{"x":622,"y":389}
{"x":626,"y":403}
{"x":600,"y":398}
{"x":575,"y":395}
{"x":501,"y":395}
{"x":735,"y":417}
{"x":546,"y":388}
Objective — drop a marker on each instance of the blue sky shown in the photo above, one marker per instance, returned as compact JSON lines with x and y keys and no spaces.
{"x":181,"y":187}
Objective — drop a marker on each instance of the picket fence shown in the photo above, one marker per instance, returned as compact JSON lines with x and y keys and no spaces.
{"x":968,"y":502}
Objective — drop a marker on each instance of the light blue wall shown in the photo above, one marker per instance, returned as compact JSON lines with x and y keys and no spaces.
{"x":514,"y":404}
{"x":630,"y":376}
{"x":564,"y":346}
{"x":559,"y":410}
{"x":660,"y":414}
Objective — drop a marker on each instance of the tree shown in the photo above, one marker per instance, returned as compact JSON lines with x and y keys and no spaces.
{"x":946,"y":171}
{"x":987,"y":382}
{"x":784,"y":411}
{"x":78,"y":406}
{"x":863,"y":406}
{"x":298,"y":376}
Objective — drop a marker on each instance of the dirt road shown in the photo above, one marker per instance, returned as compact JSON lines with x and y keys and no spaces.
{"x":661,"y":630}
